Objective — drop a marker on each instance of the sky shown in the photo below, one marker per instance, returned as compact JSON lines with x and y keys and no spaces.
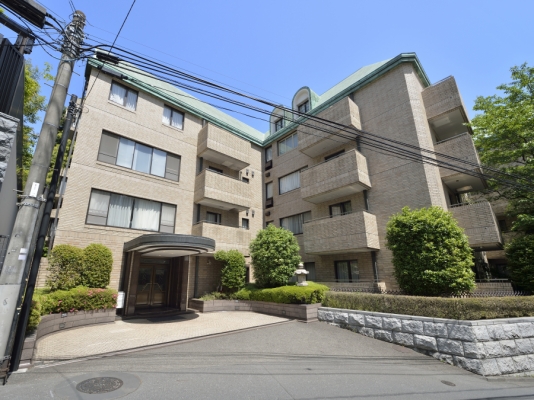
{"x":272,"y":49}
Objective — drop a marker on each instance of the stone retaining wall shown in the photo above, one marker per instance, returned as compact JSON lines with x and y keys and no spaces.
{"x":306,"y":312}
{"x":485,"y":347}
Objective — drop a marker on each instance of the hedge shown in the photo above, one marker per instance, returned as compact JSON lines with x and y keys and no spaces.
{"x":434,"y":307}
{"x":311,"y":294}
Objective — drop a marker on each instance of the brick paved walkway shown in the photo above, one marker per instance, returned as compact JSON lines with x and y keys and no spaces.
{"x":130,"y":334}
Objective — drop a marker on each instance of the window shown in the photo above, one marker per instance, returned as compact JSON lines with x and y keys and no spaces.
{"x":310,"y":267}
{"x":124,"y":96}
{"x":278,"y":124}
{"x":304,"y":107}
{"x":347,"y":271}
{"x":129,"y":154}
{"x":294,"y":223}
{"x":173,"y":118}
{"x":246,"y":180}
{"x":290,"y":142}
{"x":217,"y":170}
{"x":502,"y":225}
{"x":331,"y":156}
{"x":340,"y":209}
{"x":268,"y":154}
{"x":269,"y":190}
{"x":289,"y":182}
{"x":213,"y":218}
{"x":111,"y":209}
{"x":244,"y":223}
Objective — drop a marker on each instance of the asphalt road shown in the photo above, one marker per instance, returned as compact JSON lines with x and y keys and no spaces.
{"x":288,"y":361}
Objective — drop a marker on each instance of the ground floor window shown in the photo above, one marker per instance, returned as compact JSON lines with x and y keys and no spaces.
{"x":310,"y":267}
{"x":347,"y":271}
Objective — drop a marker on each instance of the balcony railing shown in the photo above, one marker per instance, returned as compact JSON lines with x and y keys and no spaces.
{"x":479,"y":223}
{"x":341,"y":176}
{"x":222,"y":147}
{"x":227,"y":237}
{"x":222,"y":191}
{"x":348,"y":233}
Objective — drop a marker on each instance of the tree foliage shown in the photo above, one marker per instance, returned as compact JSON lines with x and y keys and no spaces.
{"x":233,"y":271}
{"x":431,"y":254}
{"x":520,"y":255}
{"x":65,"y":263}
{"x":96,"y":266}
{"x":275,"y":256}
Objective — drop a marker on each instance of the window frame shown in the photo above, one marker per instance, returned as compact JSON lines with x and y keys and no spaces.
{"x":125,"y":97}
{"x":174,"y":110}
{"x":282,"y":177}
{"x":218,"y":218}
{"x":279,"y":124}
{"x":292,"y":136}
{"x":307,"y":268}
{"x":343,"y":207}
{"x":307,"y":108}
{"x":131,"y":215}
{"x":243,"y":223}
{"x":270,"y":150}
{"x":272,"y":190}
{"x":351,"y":278}
{"x":303,"y":221}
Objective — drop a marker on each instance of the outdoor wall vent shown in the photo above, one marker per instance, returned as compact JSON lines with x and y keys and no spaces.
{"x":267,"y":174}
{"x":268,"y":213}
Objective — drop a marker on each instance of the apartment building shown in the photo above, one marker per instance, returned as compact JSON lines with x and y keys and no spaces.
{"x":164,"y":180}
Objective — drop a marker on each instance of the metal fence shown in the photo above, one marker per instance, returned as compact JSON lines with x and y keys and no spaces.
{"x":4,"y":241}
{"x":377,"y":290}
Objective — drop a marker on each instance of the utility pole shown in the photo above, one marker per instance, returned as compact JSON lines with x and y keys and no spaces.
{"x":12,"y":274}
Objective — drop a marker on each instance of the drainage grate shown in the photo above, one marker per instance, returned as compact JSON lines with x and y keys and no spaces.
{"x":448,"y":383}
{"x":99,"y":385}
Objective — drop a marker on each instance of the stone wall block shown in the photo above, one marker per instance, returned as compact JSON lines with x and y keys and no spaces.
{"x":392,"y":324}
{"x":327,"y":316}
{"x":531,"y":360}
{"x":425,"y":342}
{"x":474,"y":350}
{"x":511,"y":331}
{"x":496,"y":332}
{"x":491,"y":368}
{"x":481,"y":333}
{"x":524,"y":346}
{"x":461,"y":332}
{"x":435,"y":329}
{"x":469,"y":364}
{"x":373,"y":322}
{"x":410,"y":326}
{"x":405,"y":339}
{"x":506,"y":365}
{"x":450,"y":346}
{"x":356,"y":319}
{"x":446,"y":358}
{"x":509,"y":348}
{"x":341,"y":317}
{"x":521,"y":363}
{"x":384,"y":335}
{"x":526,"y":329}
{"x":493,"y":349}
{"x":367,"y":332}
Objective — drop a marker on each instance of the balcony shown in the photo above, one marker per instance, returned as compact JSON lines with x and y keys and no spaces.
{"x":314,"y":142}
{"x":462,"y":147}
{"x":349,"y":233}
{"x":226,"y":237}
{"x":221,"y":147}
{"x":332,"y":179}
{"x":480,"y":225}
{"x":221,"y":191}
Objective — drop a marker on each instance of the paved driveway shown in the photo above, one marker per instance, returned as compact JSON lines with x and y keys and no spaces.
{"x":285,"y":361}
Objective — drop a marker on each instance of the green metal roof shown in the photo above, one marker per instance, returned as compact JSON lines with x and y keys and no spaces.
{"x":184,"y":100}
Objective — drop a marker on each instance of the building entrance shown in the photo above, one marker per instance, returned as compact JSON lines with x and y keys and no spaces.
{"x":152,"y":286}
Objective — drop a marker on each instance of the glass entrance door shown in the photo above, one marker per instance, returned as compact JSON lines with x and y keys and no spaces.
{"x":152,"y":285}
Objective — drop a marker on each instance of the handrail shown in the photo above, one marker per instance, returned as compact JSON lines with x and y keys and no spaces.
{"x":332,"y":216}
{"x":453,"y":137}
{"x":442,"y":80}
{"x":469,"y":204}
{"x":216,"y":223}
{"x":220,"y":173}
{"x":333,"y":158}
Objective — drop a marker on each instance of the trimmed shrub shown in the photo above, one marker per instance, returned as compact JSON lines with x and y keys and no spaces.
{"x":431,"y":254}
{"x":434,"y":307}
{"x":234,"y":270}
{"x":214,"y":296}
{"x":275,"y":256}
{"x":97,"y":265}
{"x":520,"y":255}
{"x":311,"y":294}
{"x":35,"y":316}
{"x":78,"y":299}
{"x":64,"y":267}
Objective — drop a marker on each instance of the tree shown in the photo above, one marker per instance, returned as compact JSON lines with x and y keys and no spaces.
{"x":275,"y":256}
{"x":96,"y":266}
{"x":65,"y":264}
{"x":431,"y":254}
{"x":520,"y":254}
{"x":234,"y":270}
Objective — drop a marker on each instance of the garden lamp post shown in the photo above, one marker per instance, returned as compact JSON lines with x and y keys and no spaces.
{"x":301,"y":275}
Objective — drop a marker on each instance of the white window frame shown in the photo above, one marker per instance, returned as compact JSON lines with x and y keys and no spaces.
{"x":173,"y":111}
{"x":294,"y":176}
{"x":291,"y":139}
{"x":128,"y":90}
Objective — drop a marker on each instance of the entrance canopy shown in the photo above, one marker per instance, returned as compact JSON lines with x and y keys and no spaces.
{"x":169,"y":245}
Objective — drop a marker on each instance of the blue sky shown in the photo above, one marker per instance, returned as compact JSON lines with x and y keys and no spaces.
{"x":273,"y":48}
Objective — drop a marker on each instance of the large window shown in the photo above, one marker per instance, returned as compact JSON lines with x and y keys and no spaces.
{"x":124,"y":96}
{"x":173,"y":118}
{"x":347,"y":271}
{"x":278,"y":124}
{"x":340,"y":209}
{"x":111,"y":209}
{"x":290,"y":142}
{"x":269,"y":190}
{"x":304,"y":107}
{"x":294,"y":223}
{"x":129,"y":154}
{"x":289,"y":182}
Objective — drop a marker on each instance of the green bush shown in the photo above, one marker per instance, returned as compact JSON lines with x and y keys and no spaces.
{"x":311,"y":294}
{"x":275,"y":256}
{"x":214,"y":296}
{"x":434,"y":307}
{"x":520,"y":255}
{"x":234,"y":270}
{"x":97,"y":265}
{"x":35,"y":316}
{"x":431,"y":254}
{"x":64,"y":267}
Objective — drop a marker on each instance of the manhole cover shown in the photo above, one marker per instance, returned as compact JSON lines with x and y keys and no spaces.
{"x":448,"y":383}
{"x":102,"y":384}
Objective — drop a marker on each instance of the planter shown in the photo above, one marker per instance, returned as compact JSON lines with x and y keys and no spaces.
{"x":57,"y":322}
{"x":305,"y":312}
{"x":485,"y":347}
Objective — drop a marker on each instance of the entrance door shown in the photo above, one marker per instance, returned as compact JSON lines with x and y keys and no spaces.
{"x":152,"y":285}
